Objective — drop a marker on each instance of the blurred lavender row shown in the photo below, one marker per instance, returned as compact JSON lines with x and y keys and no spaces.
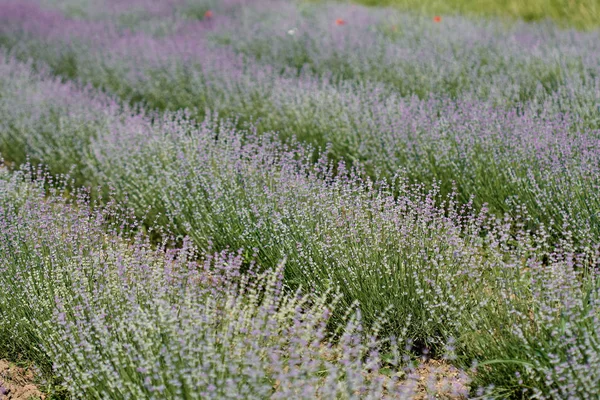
{"x":487,"y":58}
{"x":509,"y":114}
{"x":446,"y":275}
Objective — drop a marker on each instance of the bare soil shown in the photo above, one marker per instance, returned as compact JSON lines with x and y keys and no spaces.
{"x":440,"y":380}
{"x":17,"y":383}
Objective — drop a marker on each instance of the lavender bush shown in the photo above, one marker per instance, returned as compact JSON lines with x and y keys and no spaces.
{"x":545,"y":161}
{"x":114,"y":318}
{"x":503,"y":150}
{"x":256,"y":193}
{"x":435,"y":272}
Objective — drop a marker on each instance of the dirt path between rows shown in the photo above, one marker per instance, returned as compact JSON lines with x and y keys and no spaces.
{"x":17,"y":383}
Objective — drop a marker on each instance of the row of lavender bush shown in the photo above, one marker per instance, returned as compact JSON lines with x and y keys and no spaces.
{"x":353,"y":42}
{"x":513,"y":299}
{"x":479,"y":133}
{"x":113,"y":318}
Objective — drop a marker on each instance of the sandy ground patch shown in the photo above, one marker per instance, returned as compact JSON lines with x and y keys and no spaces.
{"x":17,"y":383}
{"x":440,"y":380}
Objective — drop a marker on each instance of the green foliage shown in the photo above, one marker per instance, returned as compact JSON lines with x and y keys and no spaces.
{"x":583,"y":14}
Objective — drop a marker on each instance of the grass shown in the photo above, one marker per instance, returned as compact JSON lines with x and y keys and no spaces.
{"x":580,"y":14}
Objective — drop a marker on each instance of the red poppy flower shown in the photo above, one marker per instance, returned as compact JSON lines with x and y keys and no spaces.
{"x":208,"y":14}
{"x":340,"y":22}
{"x":437,"y":19}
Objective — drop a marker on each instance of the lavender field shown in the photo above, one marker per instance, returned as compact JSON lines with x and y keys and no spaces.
{"x":269,"y":199}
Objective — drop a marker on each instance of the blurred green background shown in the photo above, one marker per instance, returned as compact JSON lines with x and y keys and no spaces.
{"x":581,"y":14}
